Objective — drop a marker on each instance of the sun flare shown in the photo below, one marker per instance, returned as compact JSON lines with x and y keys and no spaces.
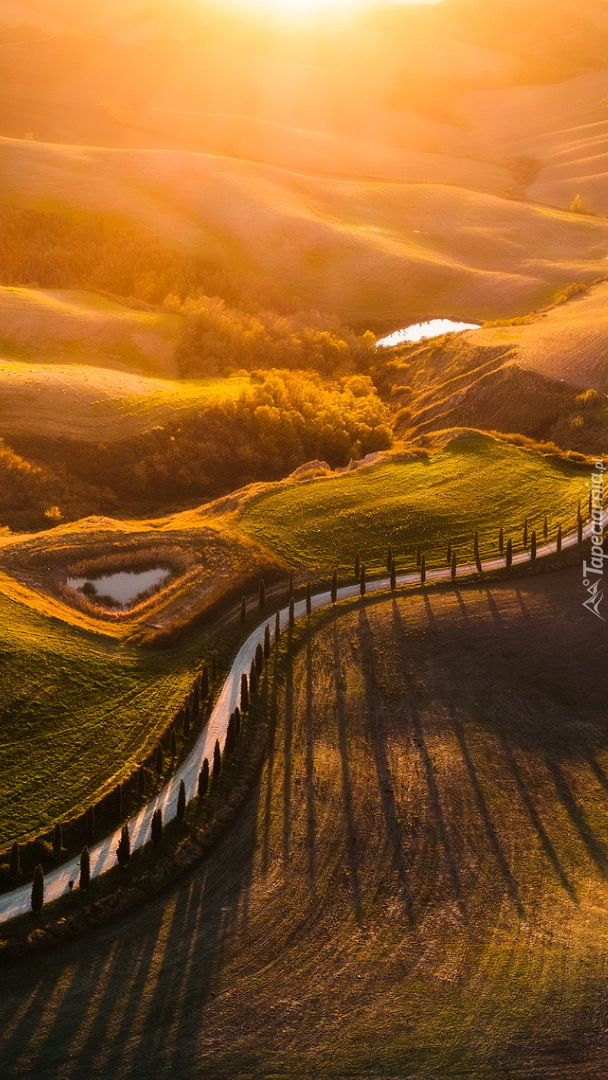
{"x":298,"y":9}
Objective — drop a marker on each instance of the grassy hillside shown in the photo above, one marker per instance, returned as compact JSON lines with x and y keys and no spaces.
{"x":63,"y":689}
{"x":416,"y":887}
{"x":97,"y":405}
{"x":85,"y":328}
{"x":474,"y":482}
{"x":371,"y":253}
{"x":568,"y":342}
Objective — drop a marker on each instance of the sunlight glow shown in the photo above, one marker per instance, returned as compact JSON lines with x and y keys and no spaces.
{"x":288,"y":10}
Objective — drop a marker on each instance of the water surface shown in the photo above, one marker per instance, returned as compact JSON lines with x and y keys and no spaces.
{"x":123,"y":587}
{"x":434,"y":328}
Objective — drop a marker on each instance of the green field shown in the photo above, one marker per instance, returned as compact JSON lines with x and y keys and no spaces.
{"x":78,"y":714}
{"x":417,"y":886}
{"x":473,"y":483}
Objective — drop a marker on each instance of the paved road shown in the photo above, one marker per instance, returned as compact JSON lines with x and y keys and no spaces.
{"x":103,"y":855}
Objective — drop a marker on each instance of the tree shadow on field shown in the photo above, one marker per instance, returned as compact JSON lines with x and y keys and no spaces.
{"x":431,"y":783}
{"x":347,"y":792}
{"x":135,"y":998}
{"x":378,"y":742}
{"x":482,"y":806}
{"x":309,"y":766}
{"x":544,"y":839}
{"x":287,"y":753}
{"x":576,"y":815}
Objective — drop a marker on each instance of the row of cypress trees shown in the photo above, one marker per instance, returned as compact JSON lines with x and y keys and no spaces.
{"x":207,"y":776}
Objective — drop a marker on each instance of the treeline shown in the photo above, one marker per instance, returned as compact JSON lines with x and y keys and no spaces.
{"x":285,"y":419}
{"x":34,"y":496}
{"x":219,"y":339}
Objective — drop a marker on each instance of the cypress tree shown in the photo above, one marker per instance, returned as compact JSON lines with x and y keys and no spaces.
{"x":214,"y":666}
{"x":244,"y":694}
{"x":57,"y":839}
{"x":141,"y":781}
{"x":85,"y":869}
{"x":453,"y":565}
{"x":253,"y":679}
{"x":533,"y":546}
{"x":90,"y":822}
{"x":118,"y":801}
{"x":362,"y":581}
{"x":501,"y":542}
{"x":308,"y":599}
{"x":217,"y":760}
{"x":277,"y":626}
{"x":203,"y":780}
{"x":448,"y":555}
{"x":389,"y":559}
{"x":357,"y":566}
{"x":267,"y":641}
{"x":14,"y":860}
{"x":418,"y":556}
{"x":123,"y":851}
{"x":292,"y":614}
{"x":509,"y":555}
{"x":334,"y":587}
{"x":290,"y":588}
{"x":229,"y":743}
{"x":559,"y":538}
{"x":204,"y":683}
{"x":259,"y":659}
{"x":173,"y":744}
{"x":393,"y":576}
{"x":181,"y":801}
{"x":546,"y":529}
{"x":579,"y":528}
{"x":262,"y":596}
{"x":237,"y":721}
{"x":158,"y":762}
{"x":476,"y":553}
{"x":422,"y":569}
{"x":243,"y":611}
{"x":525,"y":537}
{"x":186,"y":724}
{"x":37,"y":897}
{"x":195,"y":707}
{"x":157,"y":827}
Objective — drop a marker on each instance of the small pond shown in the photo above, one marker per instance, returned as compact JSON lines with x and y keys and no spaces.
{"x":426,"y":329}
{"x":123,"y":587}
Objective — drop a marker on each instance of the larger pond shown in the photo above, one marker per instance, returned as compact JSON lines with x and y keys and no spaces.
{"x":123,"y":587}
{"x":425,"y":330}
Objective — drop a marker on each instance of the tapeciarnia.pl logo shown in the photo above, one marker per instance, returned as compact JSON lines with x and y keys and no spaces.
{"x":593,"y":572}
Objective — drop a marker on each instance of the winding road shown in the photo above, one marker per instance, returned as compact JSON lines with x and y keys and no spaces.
{"x":103,"y":854}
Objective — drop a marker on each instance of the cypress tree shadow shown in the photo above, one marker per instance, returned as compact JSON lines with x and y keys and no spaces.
{"x":309,"y":766}
{"x":347,"y":795}
{"x":484,"y":812}
{"x":287,"y":750}
{"x":577,"y":817}
{"x":534,"y":816}
{"x":378,"y":741}
{"x":432,"y":784}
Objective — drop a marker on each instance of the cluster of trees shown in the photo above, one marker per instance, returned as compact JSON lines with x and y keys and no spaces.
{"x":34,"y":496}
{"x":77,"y":250}
{"x":219,"y":339}
{"x":284,"y":419}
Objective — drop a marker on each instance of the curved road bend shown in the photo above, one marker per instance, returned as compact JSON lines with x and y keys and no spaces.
{"x":103,"y":854}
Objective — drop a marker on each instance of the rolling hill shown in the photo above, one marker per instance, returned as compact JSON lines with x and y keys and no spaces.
{"x":371,"y":253}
